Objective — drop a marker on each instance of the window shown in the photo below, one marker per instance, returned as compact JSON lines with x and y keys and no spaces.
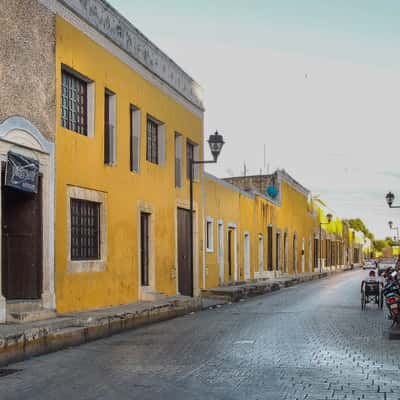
{"x":192,"y":153}
{"x":74,"y":103}
{"x":189,"y":157}
{"x":110,"y":145}
{"x":134,"y":139}
{"x":152,"y":141}
{"x":85,"y":230}
{"x":178,"y":160}
{"x":210,"y":235}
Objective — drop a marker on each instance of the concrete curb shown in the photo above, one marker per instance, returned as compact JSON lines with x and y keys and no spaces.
{"x":27,"y":342}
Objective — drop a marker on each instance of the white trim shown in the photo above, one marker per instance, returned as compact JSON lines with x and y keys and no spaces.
{"x":145,"y":291}
{"x":233,"y":227}
{"x":18,"y":133}
{"x":136,"y":123}
{"x":178,"y":160}
{"x":210,"y":235}
{"x":142,"y":56}
{"x":221,"y":252}
{"x":113,"y":119}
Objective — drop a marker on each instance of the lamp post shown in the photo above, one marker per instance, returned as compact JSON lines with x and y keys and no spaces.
{"x":329,"y":218}
{"x":216,"y":142}
{"x":390,"y":199}
{"x":394,"y":228}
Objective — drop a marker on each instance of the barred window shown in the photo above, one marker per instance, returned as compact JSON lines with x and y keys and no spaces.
{"x":74,"y":103}
{"x":85,"y":230}
{"x":152,"y":141}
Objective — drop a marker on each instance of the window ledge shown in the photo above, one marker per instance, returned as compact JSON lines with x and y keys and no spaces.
{"x":77,"y":267}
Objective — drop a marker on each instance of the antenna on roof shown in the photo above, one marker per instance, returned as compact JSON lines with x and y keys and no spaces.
{"x":265,"y":156}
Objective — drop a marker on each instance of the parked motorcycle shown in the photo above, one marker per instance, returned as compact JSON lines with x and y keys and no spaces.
{"x":391,"y":294}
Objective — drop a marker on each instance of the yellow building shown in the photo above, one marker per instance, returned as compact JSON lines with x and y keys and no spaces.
{"x":128,"y":119}
{"x":108,"y":130}
{"x":257,"y":227}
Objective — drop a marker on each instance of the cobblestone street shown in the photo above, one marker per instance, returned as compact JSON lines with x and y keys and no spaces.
{"x":309,"y":342}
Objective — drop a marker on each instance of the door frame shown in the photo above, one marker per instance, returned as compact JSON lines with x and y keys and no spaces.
{"x":221,"y":252}
{"x":233,"y":228}
{"x":181,"y":203}
{"x":20,"y":135}
{"x":39,"y":276}
{"x":145,"y":291}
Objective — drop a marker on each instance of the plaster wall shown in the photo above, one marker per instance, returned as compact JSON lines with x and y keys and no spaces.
{"x":27,"y":64}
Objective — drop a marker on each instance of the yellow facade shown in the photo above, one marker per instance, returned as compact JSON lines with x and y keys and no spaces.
{"x":269,"y":225}
{"x":239,"y":234}
{"x":80,"y":164}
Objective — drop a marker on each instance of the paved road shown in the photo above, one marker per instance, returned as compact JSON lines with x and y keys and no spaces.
{"x":308,"y":342}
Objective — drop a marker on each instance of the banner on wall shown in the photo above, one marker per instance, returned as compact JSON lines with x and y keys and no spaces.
{"x":22,"y":173}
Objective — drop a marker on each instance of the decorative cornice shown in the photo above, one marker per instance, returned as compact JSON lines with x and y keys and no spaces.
{"x":105,"y":19}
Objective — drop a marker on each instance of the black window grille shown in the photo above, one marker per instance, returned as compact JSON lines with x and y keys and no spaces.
{"x":152,"y":141}
{"x":74,"y":103}
{"x":85,"y":230}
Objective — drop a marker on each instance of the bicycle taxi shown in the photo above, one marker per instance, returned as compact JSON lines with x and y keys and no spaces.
{"x":371,"y":291}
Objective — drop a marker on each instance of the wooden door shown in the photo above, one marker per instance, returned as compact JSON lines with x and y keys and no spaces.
{"x":144,"y":248}
{"x":21,"y":244}
{"x":185,"y":273}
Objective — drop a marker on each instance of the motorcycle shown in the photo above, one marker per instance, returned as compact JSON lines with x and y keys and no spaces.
{"x":391,"y":294}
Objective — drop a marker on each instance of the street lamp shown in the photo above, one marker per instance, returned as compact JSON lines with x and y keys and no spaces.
{"x":390,"y":199}
{"x":216,"y":142}
{"x":394,"y":228}
{"x":329,"y":218}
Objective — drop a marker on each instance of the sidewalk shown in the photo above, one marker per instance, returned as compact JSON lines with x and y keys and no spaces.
{"x":259,"y":287}
{"x":21,"y":341}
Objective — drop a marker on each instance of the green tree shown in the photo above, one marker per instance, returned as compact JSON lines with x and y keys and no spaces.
{"x":358,"y":225}
{"x":379,"y":245}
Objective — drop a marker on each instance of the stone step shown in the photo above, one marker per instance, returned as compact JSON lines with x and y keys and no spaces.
{"x":17,"y":306}
{"x":29,"y":316}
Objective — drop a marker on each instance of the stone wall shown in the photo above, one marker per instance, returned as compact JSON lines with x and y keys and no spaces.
{"x":27,"y":64}
{"x":258,"y":183}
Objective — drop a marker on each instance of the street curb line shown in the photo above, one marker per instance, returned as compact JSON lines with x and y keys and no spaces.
{"x":38,"y":341}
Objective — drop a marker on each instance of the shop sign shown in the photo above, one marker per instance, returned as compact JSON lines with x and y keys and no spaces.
{"x":22,"y":173}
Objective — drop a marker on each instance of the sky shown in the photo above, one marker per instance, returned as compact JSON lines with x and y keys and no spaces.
{"x":316,"y":83}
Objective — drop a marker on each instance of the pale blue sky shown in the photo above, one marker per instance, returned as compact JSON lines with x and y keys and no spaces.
{"x":316,"y":81}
